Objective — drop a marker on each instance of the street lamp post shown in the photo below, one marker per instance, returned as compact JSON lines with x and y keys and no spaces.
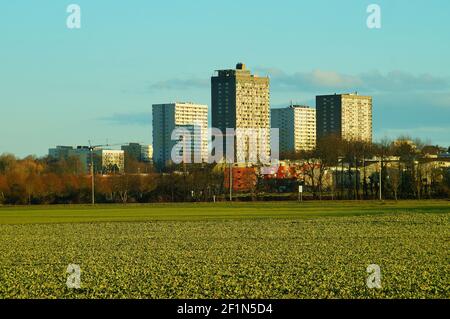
{"x":91,"y":149}
{"x":381,"y":169}
{"x":231,"y":181}
{"x":92,"y":176}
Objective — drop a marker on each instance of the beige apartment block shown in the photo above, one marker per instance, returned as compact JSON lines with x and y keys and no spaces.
{"x":348,"y":116}
{"x":241,"y":101}
{"x":304,"y":128}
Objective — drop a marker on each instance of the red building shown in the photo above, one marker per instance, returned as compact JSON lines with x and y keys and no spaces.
{"x":244,"y":178}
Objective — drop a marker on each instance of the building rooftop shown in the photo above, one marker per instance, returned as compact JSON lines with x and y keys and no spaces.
{"x":301,"y":106}
{"x":356,"y":94}
{"x":240,"y":66}
{"x":241,"y":69}
{"x":183,"y":103}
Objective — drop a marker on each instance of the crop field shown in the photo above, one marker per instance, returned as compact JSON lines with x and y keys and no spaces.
{"x":223,"y":250}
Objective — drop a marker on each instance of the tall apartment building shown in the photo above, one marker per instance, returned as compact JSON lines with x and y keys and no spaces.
{"x":297,"y":128}
{"x":167,"y":117}
{"x":241,"y":100}
{"x":348,"y":116}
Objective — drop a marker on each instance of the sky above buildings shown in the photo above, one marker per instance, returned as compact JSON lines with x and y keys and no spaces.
{"x":61,"y":86}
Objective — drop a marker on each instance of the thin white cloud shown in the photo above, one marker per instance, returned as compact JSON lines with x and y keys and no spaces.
{"x":402,"y":81}
{"x":374,"y":81}
{"x":419,"y":130}
{"x":439,"y":135}
{"x":142,"y":118}
{"x":310,"y":81}
{"x":318,"y":80}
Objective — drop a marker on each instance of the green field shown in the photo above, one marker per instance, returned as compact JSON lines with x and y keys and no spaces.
{"x":223,"y":250}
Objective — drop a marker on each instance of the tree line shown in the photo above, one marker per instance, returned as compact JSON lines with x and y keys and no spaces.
{"x":403,"y":168}
{"x":335,"y":169}
{"x":45,"y":180}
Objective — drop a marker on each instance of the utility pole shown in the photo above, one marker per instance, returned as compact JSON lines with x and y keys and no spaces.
{"x":365,"y":175}
{"x":381,"y":169}
{"x":231,"y":181}
{"x":342,"y":178}
{"x":356,"y":177}
{"x":92,"y":176}
{"x":91,"y":149}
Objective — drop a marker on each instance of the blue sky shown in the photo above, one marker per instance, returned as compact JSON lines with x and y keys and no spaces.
{"x":64,"y":87}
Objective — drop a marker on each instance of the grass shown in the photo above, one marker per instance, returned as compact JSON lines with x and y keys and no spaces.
{"x":207,"y":211}
{"x":223,"y":250}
